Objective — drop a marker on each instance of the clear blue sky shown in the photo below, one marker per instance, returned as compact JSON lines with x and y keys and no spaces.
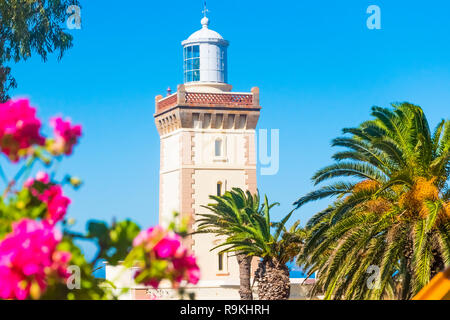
{"x":318,"y":67}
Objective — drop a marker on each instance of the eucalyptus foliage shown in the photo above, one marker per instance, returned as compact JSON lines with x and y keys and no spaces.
{"x":27,"y":27}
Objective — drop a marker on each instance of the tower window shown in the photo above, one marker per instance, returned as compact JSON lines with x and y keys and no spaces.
{"x":218,"y":147}
{"x":220,"y":256}
{"x":192,"y":63}
{"x":222,"y":63}
{"x":219,"y":189}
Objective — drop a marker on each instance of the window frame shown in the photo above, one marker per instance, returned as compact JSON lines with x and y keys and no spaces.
{"x":219,"y":190}
{"x":223,"y":149}
{"x":218,"y":147}
{"x":220,"y":262}
{"x":191,"y":63}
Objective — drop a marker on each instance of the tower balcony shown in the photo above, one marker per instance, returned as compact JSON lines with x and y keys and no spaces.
{"x":207,"y":110}
{"x":182,"y":98}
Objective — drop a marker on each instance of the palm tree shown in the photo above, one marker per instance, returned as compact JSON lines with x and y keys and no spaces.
{"x":273,"y":273}
{"x":393,"y":214}
{"x":255,"y":239}
{"x":233,"y":209}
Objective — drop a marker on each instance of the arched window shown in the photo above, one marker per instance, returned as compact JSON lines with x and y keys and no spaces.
{"x":218,"y":147}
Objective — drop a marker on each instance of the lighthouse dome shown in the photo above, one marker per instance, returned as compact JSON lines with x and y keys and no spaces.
{"x":205,"y":33}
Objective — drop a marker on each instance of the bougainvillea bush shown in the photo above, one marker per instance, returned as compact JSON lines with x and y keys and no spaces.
{"x":39,"y":255}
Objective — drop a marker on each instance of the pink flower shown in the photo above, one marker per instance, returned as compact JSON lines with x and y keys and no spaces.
{"x":66,"y":135}
{"x":19,"y":128}
{"x":153,"y":282}
{"x":150,"y":237}
{"x":57,"y":203}
{"x":142,"y":237}
{"x":28,"y":256}
{"x":29,"y":183}
{"x":193,"y":270}
{"x":52,"y":196}
{"x":194,"y":275}
{"x":168,"y":246}
{"x":164,"y":245}
{"x":188,"y":268}
{"x":60,"y":261}
{"x":41,"y":177}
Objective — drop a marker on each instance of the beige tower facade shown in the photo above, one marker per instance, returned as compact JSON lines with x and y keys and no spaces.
{"x":207,"y":148}
{"x":207,"y":144}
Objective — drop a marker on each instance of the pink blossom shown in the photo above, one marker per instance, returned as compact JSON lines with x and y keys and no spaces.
{"x":57,"y":203}
{"x":29,"y":183}
{"x":168,"y":246}
{"x":153,"y":282}
{"x":19,"y":128}
{"x":41,"y":177}
{"x":164,"y":245}
{"x":193,"y":270}
{"x":60,"y":261}
{"x":52,"y":196}
{"x":150,"y":237}
{"x":187,"y":267}
{"x":28,"y":256}
{"x":194,"y":275}
{"x":66,"y":135}
{"x":142,"y":237}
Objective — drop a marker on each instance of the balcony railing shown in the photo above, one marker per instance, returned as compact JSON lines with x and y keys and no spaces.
{"x":167,"y":103}
{"x":243,"y":100}
{"x":219,"y":99}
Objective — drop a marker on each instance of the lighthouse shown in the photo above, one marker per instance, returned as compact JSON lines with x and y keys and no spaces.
{"x":207,"y":145}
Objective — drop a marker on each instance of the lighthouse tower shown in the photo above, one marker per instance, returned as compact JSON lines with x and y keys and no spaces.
{"x":207,"y":135}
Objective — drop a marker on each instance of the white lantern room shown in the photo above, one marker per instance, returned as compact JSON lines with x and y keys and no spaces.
{"x":205,"y":59}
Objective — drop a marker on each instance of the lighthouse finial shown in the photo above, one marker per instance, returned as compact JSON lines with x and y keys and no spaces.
{"x":205,"y":20}
{"x":205,"y":9}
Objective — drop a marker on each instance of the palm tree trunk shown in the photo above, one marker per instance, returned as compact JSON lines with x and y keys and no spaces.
{"x":437,"y":264}
{"x":273,"y":280}
{"x":245,"y":290}
{"x":405,"y":293}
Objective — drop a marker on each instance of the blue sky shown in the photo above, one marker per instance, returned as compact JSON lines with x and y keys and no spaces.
{"x":318,"y":66}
